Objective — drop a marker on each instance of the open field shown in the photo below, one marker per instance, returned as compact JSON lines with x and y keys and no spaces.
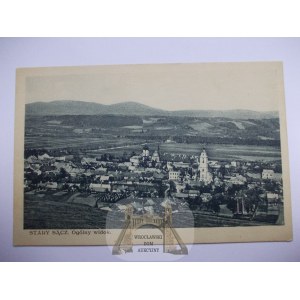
{"x":225,"y":151}
{"x":73,"y":131}
{"x":215,"y":151}
{"x":46,"y":212}
{"x":49,"y":211}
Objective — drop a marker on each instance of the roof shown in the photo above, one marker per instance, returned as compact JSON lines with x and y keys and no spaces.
{"x":272,"y":196}
{"x":181,"y":195}
{"x":268,"y":171}
{"x":158,"y":175}
{"x":167,"y":202}
{"x":52,"y":185}
{"x":194,"y":192}
{"x":137,"y":205}
{"x":254,"y":175}
{"x":149,"y":202}
{"x":206,"y":194}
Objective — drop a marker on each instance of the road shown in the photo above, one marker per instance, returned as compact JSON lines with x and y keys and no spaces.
{"x":118,"y":147}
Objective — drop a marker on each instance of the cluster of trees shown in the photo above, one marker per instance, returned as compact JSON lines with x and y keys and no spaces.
{"x":100,"y":121}
{"x":51,"y":152}
{"x":225,"y":140}
{"x":196,"y":139}
{"x":220,"y":196}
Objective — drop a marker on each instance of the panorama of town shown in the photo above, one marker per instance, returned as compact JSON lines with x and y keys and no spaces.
{"x":219,"y":193}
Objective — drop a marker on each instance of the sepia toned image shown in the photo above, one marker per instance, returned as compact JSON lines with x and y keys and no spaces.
{"x":104,"y":149}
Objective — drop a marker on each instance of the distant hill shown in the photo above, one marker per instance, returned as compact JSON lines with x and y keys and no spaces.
{"x":89,"y":108}
{"x":69,"y":107}
{"x":232,"y":114}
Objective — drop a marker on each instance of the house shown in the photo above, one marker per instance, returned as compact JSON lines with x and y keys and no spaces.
{"x":272,"y":198}
{"x":51,"y":185}
{"x":132,"y":168}
{"x":270,"y":174}
{"x":234,"y":164}
{"x":101,"y":170}
{"x":238,"y":180}
{"x":193,"y":193}
{"x":61,"y":158}
{"x":88,"y":160}
{"x":32,"y":159}
{"x":214,"y":165}
{"x":174,"y":175}
{"x":158,"y":176}
{"x":135,"y":160}
{"x":44,"y":156}
{"x":169,"y":165}
{"x":99,"y":187}
{"x":149,"y":202}
{"x":181,"y":165}
{"x":267,"y":174}
{"x":105,"y":178}
{"x":253,"y":175}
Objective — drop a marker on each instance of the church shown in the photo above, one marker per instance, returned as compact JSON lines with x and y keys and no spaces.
{"x":147,"y":157}
{"x":204,"y":175}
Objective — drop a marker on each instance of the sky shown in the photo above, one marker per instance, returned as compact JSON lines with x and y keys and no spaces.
{"x":219,"y":86}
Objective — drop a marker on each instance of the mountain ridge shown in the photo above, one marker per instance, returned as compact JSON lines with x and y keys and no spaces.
{"x":73,"y":107}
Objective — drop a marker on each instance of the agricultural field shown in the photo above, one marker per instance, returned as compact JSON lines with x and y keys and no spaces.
{"x":96,"y":135}
{"x":47,"y":210}
{"x":226,"y":152}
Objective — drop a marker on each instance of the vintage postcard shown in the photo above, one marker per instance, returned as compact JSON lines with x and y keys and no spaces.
{"x":177,"y":153}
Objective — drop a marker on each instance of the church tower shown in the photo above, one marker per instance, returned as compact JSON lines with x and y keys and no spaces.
{"x":145,"y":153}
{"x":205,"y":176}
{"x":155,"y":156}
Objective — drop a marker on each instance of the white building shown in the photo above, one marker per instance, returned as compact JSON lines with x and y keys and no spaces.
{"x":135,"y":160}
{"x":234,"y":164}
{"x":96,"y":187}
{"x":132,"y":168}
{"x":169,"y":165}
{"x":88,"y":160}
{"x":104,"y":178}
{"x":52,"y":185}
{"x":44,"y":156}
{"x":204,"y":175}
{"x":61,"y":158}
{"x":155,"y":156}
{"x":174,"y":175}
{"x":145,"y":153}
{"x":267,"y":174}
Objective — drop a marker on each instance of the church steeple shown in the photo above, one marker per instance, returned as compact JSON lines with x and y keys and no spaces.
{"x":155,"y":156}
{"x":204,"y":174}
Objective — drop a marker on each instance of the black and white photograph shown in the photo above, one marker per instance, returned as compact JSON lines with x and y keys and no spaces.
{"x":207,"y":141}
